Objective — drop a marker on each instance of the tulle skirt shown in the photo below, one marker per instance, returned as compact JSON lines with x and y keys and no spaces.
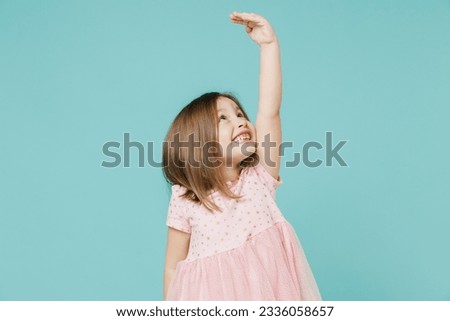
{"x":271,"y":265}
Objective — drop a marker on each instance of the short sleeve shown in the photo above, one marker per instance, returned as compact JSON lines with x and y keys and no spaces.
{"x":176,"y":216}
{"x":268,"y":180}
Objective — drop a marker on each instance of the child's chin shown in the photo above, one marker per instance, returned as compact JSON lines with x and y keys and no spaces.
{"x":247,"y":148}
{"x":242,"y":151}
{"x":247,"y":153}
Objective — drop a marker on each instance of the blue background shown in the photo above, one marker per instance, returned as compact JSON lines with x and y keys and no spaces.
{"x":77,"y":74}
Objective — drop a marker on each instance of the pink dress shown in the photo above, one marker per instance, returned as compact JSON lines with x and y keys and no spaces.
{"x":246,"y":252}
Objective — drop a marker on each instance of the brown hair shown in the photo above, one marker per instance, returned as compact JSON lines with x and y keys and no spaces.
{"x":196,"y":127}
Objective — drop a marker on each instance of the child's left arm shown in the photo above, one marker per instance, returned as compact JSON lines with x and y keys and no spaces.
{"x":268,"y":124}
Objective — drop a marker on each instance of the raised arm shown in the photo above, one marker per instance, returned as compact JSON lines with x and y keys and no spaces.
{"x":268,"y":124}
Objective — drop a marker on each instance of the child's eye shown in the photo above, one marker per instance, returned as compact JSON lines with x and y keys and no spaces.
{"x":222,"y":117}
{"x":240,"y":115}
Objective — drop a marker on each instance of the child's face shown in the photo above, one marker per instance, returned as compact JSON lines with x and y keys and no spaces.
{"x":236,"y":134}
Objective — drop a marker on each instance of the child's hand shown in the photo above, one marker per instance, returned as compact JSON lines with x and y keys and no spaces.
{"x":257,"y":27}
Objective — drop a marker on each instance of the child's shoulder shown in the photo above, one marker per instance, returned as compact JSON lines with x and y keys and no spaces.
{"x":178,"y":189}
{"x":178,"y":192}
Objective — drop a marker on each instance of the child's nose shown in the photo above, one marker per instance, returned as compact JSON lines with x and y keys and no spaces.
{"x":241,"y":122}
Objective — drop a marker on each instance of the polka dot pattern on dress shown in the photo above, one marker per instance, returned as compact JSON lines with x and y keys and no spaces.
{"x":240,"y":219}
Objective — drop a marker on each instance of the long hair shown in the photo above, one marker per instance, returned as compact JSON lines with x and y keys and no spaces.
{"x":189,"y":146}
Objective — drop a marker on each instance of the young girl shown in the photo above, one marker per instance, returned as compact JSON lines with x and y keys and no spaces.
{"x":227,"y":239}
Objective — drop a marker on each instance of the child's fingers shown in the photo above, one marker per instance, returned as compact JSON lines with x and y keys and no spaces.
{"x":246,"y":16}
{"x":237,"y":19}
{"x":243,"y":16}
{"x":241,"y":22}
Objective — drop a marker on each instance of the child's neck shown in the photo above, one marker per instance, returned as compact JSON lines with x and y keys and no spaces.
{"x":232,"y":174}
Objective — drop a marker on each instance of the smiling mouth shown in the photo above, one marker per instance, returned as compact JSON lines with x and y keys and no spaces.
{"x":242,"y":138}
